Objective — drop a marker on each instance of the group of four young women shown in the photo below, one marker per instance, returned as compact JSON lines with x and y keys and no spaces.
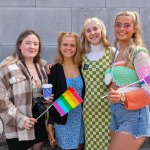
{"x":91,"y":71}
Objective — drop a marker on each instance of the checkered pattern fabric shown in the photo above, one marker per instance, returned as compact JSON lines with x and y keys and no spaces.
{"x":96,"y":111}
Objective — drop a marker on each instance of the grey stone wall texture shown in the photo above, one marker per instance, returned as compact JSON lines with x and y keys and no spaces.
{"x":48,"y":17}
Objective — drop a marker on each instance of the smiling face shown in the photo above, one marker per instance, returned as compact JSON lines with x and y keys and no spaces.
{"x":68,"y":47}
{"x":93,"y":33}
{"x":29,"y":47}
{"x":124,"y":28}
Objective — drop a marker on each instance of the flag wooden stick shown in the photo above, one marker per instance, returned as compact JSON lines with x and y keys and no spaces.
{"x":41,"y":114}
{"x":44,"y":112}
{"x":127,"y":86}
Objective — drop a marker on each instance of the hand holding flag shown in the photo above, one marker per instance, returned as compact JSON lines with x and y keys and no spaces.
{"x":145,"y":80}
{"x":65,"y":103}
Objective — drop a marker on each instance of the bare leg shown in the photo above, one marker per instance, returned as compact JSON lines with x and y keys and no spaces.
{"x":125,"y":141}
{"x":112,"y":133}
{"x":81,"y":147}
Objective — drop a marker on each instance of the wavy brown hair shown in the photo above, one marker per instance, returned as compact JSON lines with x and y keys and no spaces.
{"x":21,"y":37}
{"x":77,"y":56}
{"x":17,"y":54}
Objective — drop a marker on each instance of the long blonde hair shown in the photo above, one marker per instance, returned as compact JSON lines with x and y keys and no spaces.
{"x":77,"y":56}
{"x":85,"y":42}
{"x":136,"y":39}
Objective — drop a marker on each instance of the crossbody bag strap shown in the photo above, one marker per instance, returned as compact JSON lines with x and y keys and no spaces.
{"x":38,"y":72}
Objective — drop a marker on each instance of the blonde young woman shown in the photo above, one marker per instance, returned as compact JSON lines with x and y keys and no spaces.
{"x":67,"y":131}
{"x":97,"y":57}
{"x":130,"y":119}
{"x":21,"y":100}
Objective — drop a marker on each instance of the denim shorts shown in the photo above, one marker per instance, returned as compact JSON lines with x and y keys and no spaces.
{"x":135,"y":122}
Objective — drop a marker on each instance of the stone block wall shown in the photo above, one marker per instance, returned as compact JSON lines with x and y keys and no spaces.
{"x":48,"y":17}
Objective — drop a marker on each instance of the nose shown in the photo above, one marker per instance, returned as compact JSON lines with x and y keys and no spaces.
{"x":68,"y":47}
{"x":31,"y":45}
{"x":121,"y":27}
{"x":92,"y":31}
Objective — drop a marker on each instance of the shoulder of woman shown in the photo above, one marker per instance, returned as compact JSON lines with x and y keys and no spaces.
{"x":113,"y":50}
{"x":56,"y":67}
{"x":141,"y":52}
{"x":143,"y":49}
{"x":43,"y":62}
{"x":11,"y":67}
{"x":10,"y":71}
{"x":8,"y":61}
{"x":142,"y":58}
{"x":113,"y":53}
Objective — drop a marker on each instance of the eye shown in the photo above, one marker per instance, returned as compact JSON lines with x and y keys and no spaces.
{"x":36,"y":44}
{"x":95,"y":28}
{"x":127,"y":26}
{"x":88,"y":30}
{"x":27,"y":43}
{"x":64,"y":44}
{"x":73,"y":45}
{"x":118,"y":25}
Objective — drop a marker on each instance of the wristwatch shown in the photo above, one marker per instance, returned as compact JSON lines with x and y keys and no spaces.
{"x":122,"y":98}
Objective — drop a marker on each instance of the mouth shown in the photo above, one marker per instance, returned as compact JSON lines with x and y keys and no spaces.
{"x":32,"y":51}
{"x":68,"y":52}
{"x":94,"y":37}
{"x":121,"y":33}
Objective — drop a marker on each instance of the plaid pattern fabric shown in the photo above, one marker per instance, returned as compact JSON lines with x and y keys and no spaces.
{"x":96,"y":111}
{"x":16,"y":100}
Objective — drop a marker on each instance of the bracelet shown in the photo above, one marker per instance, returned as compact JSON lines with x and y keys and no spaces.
{"x":122,"y":98}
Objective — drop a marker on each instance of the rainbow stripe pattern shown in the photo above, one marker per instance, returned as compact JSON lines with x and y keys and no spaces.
{"x":146,"y":80}
{"x":67,"y":101}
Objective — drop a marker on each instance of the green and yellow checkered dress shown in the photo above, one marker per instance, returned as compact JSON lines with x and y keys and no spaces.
{"x":96,"y":111}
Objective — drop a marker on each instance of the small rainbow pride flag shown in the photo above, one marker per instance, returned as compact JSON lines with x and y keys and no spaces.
{"x":67,"y":101}
{"x":146,"y":80}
